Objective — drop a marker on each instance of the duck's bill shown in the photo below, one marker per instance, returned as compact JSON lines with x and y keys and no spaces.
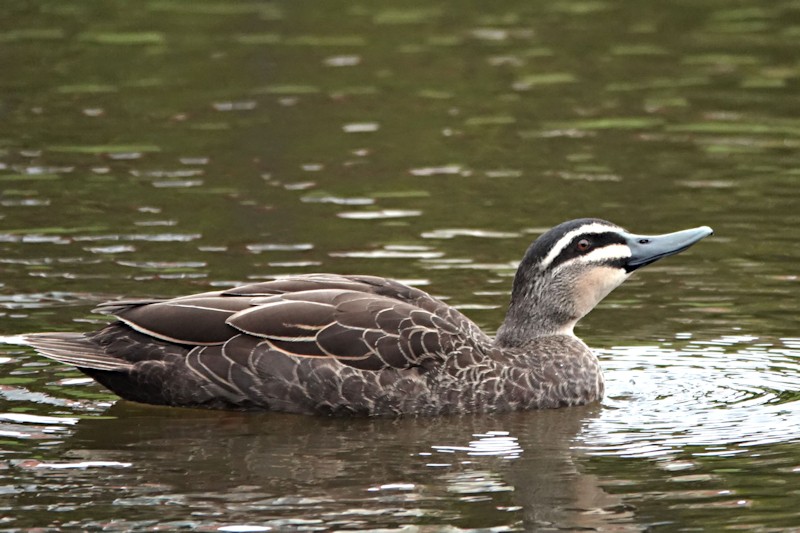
{"x":646,"y":249}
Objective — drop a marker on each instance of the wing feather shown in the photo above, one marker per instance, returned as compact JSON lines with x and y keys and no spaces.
{"x":364,"y":330}
{"x":241,"y":338}
{"x":279,"y":318}
{"x":189,"y":321}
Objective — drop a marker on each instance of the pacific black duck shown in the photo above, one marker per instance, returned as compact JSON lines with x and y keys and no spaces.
{"x":332,"y":344}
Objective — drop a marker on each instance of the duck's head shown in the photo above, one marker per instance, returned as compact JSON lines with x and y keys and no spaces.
{"x":570,"y":268}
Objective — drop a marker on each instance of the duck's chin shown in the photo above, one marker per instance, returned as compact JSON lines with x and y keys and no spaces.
{"x":594,"y":285}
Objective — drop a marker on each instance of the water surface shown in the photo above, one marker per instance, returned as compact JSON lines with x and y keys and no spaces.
{"x":163,"y":147}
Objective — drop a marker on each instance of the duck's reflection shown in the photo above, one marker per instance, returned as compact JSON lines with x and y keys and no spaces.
{"x":516,"y":470}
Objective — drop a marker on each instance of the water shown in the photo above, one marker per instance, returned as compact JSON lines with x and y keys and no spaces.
{"x":160,"y":148}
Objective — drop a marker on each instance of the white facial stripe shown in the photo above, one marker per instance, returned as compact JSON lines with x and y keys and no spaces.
{"x":608,"y":252}
{"x":600,"y":255}
{"x":563,"y":242}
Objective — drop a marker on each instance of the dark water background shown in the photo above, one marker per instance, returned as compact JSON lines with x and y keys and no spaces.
{"x":162,"y":147}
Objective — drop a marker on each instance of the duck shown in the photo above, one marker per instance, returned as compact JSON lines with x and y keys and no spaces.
{"x":338,"y":345}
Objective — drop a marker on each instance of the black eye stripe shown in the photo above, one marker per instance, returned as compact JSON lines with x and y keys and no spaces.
{"x":596,"y":240}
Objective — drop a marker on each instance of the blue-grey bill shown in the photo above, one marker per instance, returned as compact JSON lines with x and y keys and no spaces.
{"x":646,"y":249}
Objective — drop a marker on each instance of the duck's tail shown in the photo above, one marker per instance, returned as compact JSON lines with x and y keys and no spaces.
{"x":70,"y":348}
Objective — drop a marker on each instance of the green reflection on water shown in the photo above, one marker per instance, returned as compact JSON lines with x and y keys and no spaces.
{"x":105,"y":149}
{"x":123,"y":38}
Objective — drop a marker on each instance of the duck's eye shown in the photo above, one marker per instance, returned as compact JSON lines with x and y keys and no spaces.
{"x":584,"y":245}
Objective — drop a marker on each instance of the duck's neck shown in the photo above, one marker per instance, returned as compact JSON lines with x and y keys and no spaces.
{"x":530,"y":317}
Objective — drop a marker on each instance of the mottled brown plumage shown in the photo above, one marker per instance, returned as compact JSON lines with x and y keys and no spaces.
{"x":331,"y":344}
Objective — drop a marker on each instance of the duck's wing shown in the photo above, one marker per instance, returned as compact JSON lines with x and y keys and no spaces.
{"x":366,"y":284}
{"x":362,"y":330}
{"x":370,"y":323}
{"x":365,"y":322}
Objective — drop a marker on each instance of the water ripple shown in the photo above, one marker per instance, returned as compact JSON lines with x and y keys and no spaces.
{"x":450,"y":233}
{"x":24,"y":418}
{"x":80,"y":465}
{"x":383,"y":213}
{"x":392,"y":252}
{"x":279,"y":247}
{"x":492,"y":443}
{"x":438,"y":171}
{"x":711,"y":394}
{"x":39,"y":300}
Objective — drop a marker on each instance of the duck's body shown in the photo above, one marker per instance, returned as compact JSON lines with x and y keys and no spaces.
{"x":330,"y":344}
